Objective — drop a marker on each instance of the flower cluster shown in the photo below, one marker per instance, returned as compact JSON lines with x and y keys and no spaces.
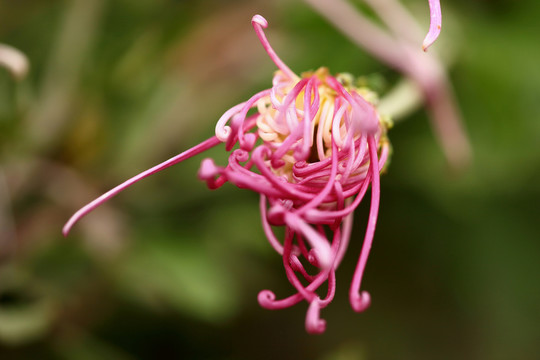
{"x":310,"y":146}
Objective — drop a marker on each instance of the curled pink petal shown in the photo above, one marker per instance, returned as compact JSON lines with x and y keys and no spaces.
{"x":314,"y":324}
{"x":434,"y":24}
{"x":259,"y":23}
{"x":360,"y":302}
{"x":208,"y":170}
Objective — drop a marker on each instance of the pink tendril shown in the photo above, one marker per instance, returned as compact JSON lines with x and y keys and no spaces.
{"x":314,"y":324}
{"x":205,"y":145}
{"x":360,"y":302}
{"x":434,"y":24}
{"x":259,"y":23}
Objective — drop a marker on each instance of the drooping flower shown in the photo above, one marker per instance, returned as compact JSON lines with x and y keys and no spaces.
{"x":311,"y":149}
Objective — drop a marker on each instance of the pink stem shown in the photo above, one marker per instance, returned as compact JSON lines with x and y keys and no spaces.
{"x":397,"y":18}
{"x":365,"y":32}
{"x":396,"y":52}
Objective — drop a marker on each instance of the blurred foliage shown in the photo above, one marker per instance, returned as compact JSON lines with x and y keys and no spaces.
{"x":171,"y":270}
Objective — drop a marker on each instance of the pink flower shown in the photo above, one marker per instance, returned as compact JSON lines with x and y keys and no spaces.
{"x":311,"y":150}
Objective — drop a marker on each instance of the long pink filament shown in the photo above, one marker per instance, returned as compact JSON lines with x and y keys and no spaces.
{"x":361,"y":301}
{"x":205,"y":145}
{"x":259,"y":23}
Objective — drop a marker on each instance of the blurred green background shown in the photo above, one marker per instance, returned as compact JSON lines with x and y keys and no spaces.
{"x":171,"y":270}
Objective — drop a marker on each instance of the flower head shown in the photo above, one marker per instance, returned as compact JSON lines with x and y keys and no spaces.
{"x":311,"y":149}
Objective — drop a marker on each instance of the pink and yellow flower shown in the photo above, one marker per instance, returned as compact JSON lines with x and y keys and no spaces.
{"x":311,"y":149}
